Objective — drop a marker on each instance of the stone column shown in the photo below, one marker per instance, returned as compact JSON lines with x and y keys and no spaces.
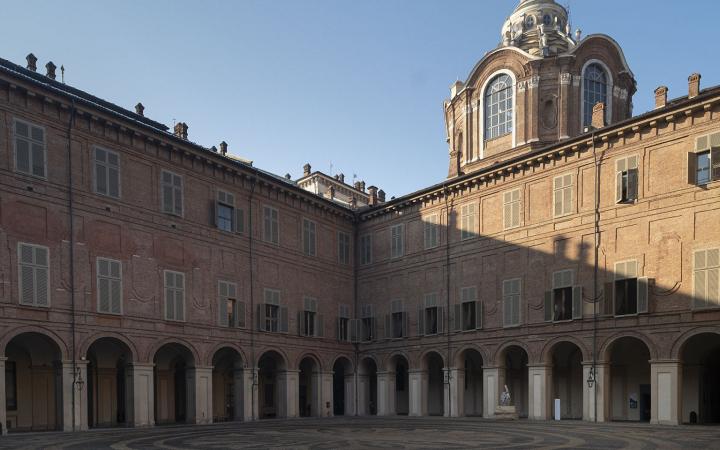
{"x":239,"y":397}
{"x":418,"y":387}
{"x":454,"y":393}
{"x":326,"y":394}
{"x":602,"y":386}
{"x":539,"y":379}
{"x":363,"y":408}
{"x":3,"y":410}
{"x":386,"y":393}
{"x":563,"y":107}
{"x":251,"y":401}
{"x":493,"y":380}
{"x":141,"y":395}
{"x":665,"y":392}
{"x":288,"y":385}
{"x":200,"y":402}
{"x":74,"y":395}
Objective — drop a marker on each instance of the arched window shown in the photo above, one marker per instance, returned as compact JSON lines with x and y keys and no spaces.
{"x":594,"y":90}
{"x":499,"y":107}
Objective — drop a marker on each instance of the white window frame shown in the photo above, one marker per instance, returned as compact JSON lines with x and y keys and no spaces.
{"x":567,"y":209}
{"x":110,"y":279}
{"x":30,"y":141}
{"x":511,"y":204}
{"x":431,"y":231}
{"x":174,"y":288}
{"x":229,"y":285}
{"x":175,"y":189}
{"x":609,"y":94}
{"x":397,"y":249}
{"x":34,"y":267}
{"x":343,"y":247}
{"x":626,"y":162}
{"x":309,"y":237}
{"x":106,"y":166}
{"x":226,"y":199}
{"x":481,"y":116}
{"x":706,"y":269}
{"x":274,"y":222}
{"x":468,"y":221}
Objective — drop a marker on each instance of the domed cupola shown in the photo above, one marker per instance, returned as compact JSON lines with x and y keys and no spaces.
{"x":539,"y":27}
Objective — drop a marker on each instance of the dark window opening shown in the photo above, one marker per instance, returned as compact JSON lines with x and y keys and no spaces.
{"x":626,"y":297}
{"x":10,"y":386}
{"x":431,"y":320}
{"x":271,"y":318}
{"x":397,"y":325}
{"x":468,"y":316}
{"x":367,"y":329}
{"x":562,"y":304}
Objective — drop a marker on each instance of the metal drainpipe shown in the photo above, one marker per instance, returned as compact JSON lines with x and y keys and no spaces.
{"x":255,"y":374}
{"x":447,"y":295}
{"x":72,"y":258}
{"x":595,"y":271}
{"x":356,"y":346}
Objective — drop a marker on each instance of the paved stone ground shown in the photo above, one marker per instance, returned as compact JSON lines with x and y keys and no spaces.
{"x":386,"y":433}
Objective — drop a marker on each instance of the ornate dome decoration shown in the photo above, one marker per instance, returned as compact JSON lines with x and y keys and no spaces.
{"x":539,"y":27}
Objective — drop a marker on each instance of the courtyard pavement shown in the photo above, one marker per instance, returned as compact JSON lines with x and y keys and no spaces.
{"x":386,"y":433}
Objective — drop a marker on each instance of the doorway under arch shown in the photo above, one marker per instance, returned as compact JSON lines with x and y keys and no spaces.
{"x":343,"y":392}
{"x":174,"y":384}
{"x":108,"y":371}
{"x":700,"y":357}
{"x":630,"y":398}
{"x":227,"y":385}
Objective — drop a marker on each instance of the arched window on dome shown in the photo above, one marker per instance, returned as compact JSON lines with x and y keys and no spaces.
{"x":595,"y":88}
{"x":499,"y":107}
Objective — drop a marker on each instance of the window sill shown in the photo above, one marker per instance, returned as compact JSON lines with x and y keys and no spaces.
{"x":111,"y":314}
{"x":29,"y":175}
{"x":500,"y":136}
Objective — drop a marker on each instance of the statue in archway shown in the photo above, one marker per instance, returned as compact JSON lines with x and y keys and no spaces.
{"x":505,"y":397}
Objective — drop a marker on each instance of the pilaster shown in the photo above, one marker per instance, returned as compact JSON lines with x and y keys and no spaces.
{"x":74,"y":395}
{"x":454,"y":395}
{"x":251,"y":402}
{"x":417,"y":384}
{"x":493,"y":379}
{"x":539,"y":378}
{"x":386,"y":393}
{"x":600,"y":391}
{"x":3,"y":411}
{"x":665,"y":392}
{"x":288,"y":383}
{"x":200,"y":401}
{"x":326,"y":394}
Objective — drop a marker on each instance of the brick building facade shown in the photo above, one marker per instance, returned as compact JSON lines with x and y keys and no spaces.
{"x":572,"y":254}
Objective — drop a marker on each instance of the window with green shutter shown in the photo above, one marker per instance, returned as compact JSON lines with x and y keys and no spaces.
{"x":171,"y":191}
{"x":174,"y":295}
{"x":34,"y":274}
{"x":706,"y":278}
{"x":109,"y":286}
{"x":562,"y":195}
{"x":30,"y":150}
{"x":511,"y":209}
{"x":107,"y":173}
{"x":511,"y":302}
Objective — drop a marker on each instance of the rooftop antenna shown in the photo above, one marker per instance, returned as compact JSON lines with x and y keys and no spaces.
{"x":62,"y":73}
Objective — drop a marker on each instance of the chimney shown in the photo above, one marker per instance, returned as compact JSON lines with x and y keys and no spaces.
{"x":598,"y":115}
{"x":181,"y":130}
{"x":372,"y":201}
{"x":50,"y":70}
{"x":306,"y":170}
{"x":223,"y":148}
{"x":694,"y":85}
{"x":362,"y":186}
{"x":381,"y":196}
{"x":578,"y":35}
{"x":357,"y":185}
{"x":661,"y":97}
{"x":341,"y":178}
{"x":139,"y":109}
{"x":213,"y":148}
{"x":288,"y":176}
{"x":31,"y":62}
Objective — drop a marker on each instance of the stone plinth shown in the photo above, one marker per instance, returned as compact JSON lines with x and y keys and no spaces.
{"x":506,"y":412}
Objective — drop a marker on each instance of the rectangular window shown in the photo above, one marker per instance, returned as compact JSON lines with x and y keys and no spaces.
{"x":366,"y":249}
{"x":10,"y":386}
{"x":511,"y":209}
{"x":630,"y":292}
{"x":397,"y":323}
{"x":107,"y":173}
{"x":432,"y":231}
{"x":511,"y":302}
{"x":468,"y":313}
{"x":231,"y":311}
{"x":397,"y":244}
{"x":34,"y":273}
{"x":174,"y":295}
{"x":343,"y":329}
{"x":626,"y":180}
{"x":309,"y":237}
{"x":431,"y":316}
{"x":271,"y":311}
{"x":308,"y":320}
{"x":367,"y":323}
{"x":109,"y":286}
{"x":564,"y":301}
{"x":562,"y":195}
{"x":225,"y":212}
{"x":343,"y":248}
{"x":704,"y":163}
{"x":172,"y":193}
{"x":706,"y":278}
{"x":271,"y":231}
{"x":30,"y":152}
{"x":467,"y":221}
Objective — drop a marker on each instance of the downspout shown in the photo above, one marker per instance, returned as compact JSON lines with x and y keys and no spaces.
{"x":72,"y":259}
{"x":255,"y":370}
{"x":593,"y":368}
{"x":356,"y":350}
{"x":447,"y":297}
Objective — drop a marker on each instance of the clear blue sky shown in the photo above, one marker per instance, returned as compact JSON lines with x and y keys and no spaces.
{"x":356,"y":83}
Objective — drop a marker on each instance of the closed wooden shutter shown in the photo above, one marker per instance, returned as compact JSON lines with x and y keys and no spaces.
{"x":692,"y":168}
{"x":180,"y":297}
{"x":577,"y":303}
{"x":619,"y":187}
{"x":283,"y":319}
{"x":608,"y":305}
{"x":548,"y":306}
{"x":478,"y":315}
{"x":441,"y":320}
{"x":421,"y":321}
{"x":222,"y":311}
{"x":715,"y":163}
{"x":260,"y":317}
{"x":642,"y":295}
{"x":633,"y":184}
{"x":239,"y":221}
{"x":456,"y":318}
